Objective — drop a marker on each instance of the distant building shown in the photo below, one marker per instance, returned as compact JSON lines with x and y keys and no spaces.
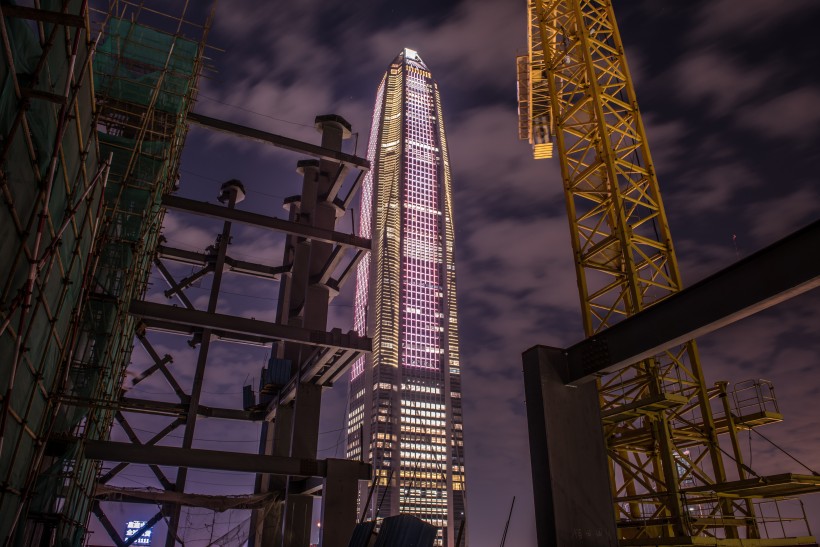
{"x":405,"y":400}
{"x":134,"y":526}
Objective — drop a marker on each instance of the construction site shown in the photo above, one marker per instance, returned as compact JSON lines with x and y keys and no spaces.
{"x":131,"y":370}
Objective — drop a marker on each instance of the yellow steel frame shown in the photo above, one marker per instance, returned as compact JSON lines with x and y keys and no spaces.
{"x":658,"y":421}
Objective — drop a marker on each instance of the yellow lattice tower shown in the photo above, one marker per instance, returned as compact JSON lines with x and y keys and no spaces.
{"x":575,"y":88}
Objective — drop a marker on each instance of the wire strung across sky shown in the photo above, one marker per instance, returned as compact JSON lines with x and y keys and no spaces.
{"x":249,"y":111}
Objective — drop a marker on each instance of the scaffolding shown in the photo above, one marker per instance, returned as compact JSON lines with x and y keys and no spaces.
{"x":51,"y":181}
{"x":145,"y":83}
{"x":88,"y":149}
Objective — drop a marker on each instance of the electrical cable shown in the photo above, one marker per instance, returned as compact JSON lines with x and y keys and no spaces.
{"x":771,"y":442}
{"x":248,"y":110}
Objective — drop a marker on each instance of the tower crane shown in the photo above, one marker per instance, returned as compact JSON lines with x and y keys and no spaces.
{"x":672,"y":481}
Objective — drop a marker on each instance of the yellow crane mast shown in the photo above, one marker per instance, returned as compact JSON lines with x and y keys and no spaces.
{"x":669,"y":475}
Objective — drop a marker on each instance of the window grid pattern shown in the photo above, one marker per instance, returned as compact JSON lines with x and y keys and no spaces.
{"x":421,"y":253}
{"x":423,"y":415}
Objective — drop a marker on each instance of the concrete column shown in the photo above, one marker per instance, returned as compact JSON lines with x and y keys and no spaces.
{"x":339,"y":504}
{"x":573,"y":503}
{"x":307,"y":303}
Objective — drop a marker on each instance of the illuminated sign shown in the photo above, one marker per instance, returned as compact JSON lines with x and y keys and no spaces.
{"x":133,"y":527}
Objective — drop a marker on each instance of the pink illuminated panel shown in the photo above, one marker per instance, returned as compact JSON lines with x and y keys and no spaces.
{"x":422,"y":233}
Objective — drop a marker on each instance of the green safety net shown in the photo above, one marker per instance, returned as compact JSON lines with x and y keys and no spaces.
{"x":140,"y":65}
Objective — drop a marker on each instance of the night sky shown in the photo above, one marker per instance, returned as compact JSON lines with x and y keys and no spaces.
{"x":730,"y":94}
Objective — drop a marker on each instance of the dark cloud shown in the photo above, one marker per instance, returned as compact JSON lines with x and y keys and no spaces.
{"x":719,"y":82}
{"x":752,"y":17}
{"x":794,"y":116}
{"x":784,"y":213}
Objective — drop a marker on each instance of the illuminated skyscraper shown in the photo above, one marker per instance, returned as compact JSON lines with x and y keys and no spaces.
{"x":405,"y":400}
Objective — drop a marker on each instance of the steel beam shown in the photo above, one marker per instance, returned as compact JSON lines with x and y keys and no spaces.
{"x":348,"y":270}
{"x":179,"y":328}
{"x":46,"y":16}
{"x":163,"y":408}
{"x":330,"y":266}
{"x":783,"y":270}
{"x":237,"y":266}
{"x":262,"y":221}
{"x":568,"y":451}
{"x":256,"y":270}
{"x":154,"y":497}
{"x":336,"y":368}
{"x":279,"y":141}
{"x":171,"y":315}
{"x":184,"y":256}
{"x":216,"y":460}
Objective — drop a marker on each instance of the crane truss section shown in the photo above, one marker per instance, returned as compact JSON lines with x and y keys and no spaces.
{"x":657,"y":416}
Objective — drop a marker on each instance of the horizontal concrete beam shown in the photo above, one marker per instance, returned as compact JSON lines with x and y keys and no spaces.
{"x":212,"y":459}
{"x":206,"y":209}
{"x":279,"y":141}
{"x":170,"y":315}
{"x":783,"y":270}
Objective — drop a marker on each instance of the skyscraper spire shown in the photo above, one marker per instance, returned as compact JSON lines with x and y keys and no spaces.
{"x":405,"y":401}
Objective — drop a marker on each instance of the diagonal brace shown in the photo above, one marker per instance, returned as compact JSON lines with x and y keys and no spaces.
{"x":132,"y":435}
{"x":175,"y":288}
{"x":159,"y":364}
{"x":153,"y":440}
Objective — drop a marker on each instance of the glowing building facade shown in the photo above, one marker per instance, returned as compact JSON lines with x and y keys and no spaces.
{"x":405,"y":400}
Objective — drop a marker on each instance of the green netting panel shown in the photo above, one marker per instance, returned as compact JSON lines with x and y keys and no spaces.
{"x":26,"y":52}
{"x":116,"y":256}
{"x":130,"y":62}
{"x":86,"y":241}
{"x":62,"y":285}
{"x":52,"y":291}
{"x":51,"y":480}
{"x":115,"y":262}
{"x":68,"y":242}
{"x":17,"y":169}
{"x":149,"y":169}
{"x":149,"y":165}
{"x":83,"y":380}
{"x":72,"y":291}
{"x":101,"y":317}
{"x":126,"y":226}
